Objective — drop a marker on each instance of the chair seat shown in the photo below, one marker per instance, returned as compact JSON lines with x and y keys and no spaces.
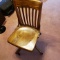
{"x":24,"y":37}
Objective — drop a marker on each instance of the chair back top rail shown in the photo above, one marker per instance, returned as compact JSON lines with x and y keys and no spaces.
{"x":28,"y":3}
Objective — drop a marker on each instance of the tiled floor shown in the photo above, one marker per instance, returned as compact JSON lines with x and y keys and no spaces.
{"x":49,"y":41}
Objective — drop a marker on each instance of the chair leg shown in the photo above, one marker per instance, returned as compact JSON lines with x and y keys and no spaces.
{"x":39,"y":51}
{"x":18,"y":51}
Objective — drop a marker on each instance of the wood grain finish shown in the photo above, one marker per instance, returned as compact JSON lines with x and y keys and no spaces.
{"x":28,"y":13}
{"x":24,"y":37}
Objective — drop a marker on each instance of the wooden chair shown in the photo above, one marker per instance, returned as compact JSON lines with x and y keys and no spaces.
{"x":28,"y":29}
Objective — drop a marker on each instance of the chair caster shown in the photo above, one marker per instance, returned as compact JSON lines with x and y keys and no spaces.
{"x":18,"y":51}
{"x":41,"y":53}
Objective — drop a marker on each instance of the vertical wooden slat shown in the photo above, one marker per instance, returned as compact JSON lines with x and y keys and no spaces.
{"x":19,"y":16}
{"x":35,"y":17}
{"x":32,"y":17}
{"x":24,"y":10}
{"x":26,"y":15}
{"x":29,"y":17}
{"x":39,"y":17}
{"x":23,"y":15}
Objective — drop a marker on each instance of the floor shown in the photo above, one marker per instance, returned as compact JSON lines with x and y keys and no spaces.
{"x":48,"y":42}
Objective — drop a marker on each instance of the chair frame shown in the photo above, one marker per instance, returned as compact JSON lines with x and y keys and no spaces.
{"x":25,"y":4}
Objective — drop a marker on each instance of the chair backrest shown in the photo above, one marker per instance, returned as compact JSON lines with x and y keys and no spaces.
{"x":28,"y":12}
